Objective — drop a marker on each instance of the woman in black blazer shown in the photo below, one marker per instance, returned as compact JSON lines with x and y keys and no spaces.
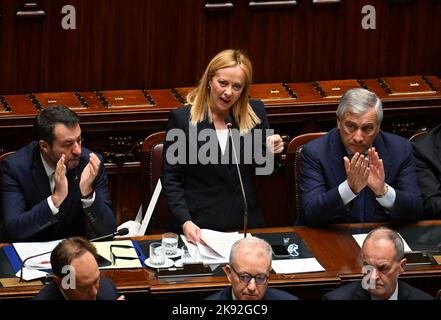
{"x":199,"y":175}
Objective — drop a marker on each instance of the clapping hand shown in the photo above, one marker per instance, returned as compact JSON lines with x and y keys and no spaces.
{"x":89,"y":174}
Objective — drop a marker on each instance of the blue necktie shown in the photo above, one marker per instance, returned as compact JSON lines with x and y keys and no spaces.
{"x":360,"y":206}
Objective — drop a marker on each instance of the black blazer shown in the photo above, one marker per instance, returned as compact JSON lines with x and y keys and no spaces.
{"x":354,"y":291}
{"x":106,"y":291}
{"x":427,"y":151}
{"x":210,"y":194}
{"x":270,"y":294}
{"x":27,"y":216}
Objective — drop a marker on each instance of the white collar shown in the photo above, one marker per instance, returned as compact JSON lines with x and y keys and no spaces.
{"x":47,"y":167}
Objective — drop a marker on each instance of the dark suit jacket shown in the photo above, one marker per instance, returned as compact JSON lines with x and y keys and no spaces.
{"x":270,"y":294}
{"x":427,"y":152}
{"x":210,"y":194}
{"x":322,"y":171}
{"x":106,"y":291}
{"x":354,"y":291}
{"x":27,"y":215}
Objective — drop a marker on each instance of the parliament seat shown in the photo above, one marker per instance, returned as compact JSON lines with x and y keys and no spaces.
{"x":293,"y":157}
{"x":2,"y":157}
{"x":417,"y":136}
{"x":151,"y":163}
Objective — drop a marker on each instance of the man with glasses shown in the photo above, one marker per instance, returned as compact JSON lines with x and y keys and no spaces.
{"x":76,"y":274}
{"x":248,"y":272}
{"x":383,"y":262}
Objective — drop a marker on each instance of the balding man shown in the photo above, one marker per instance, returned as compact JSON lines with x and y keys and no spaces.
{"x":383,"y":262}
{"x":248,"y":272}
{"x":76,"y":274}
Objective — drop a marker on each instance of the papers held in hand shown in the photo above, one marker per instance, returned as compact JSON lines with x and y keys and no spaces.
{"x":187,"y":270}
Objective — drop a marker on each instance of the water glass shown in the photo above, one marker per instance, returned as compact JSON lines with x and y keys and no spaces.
{"x":157,"y":257}
{"x":170,"y":244}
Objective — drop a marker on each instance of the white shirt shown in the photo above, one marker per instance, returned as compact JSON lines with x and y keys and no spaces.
{"x":347,"y":195}
{"x":222,"y":137}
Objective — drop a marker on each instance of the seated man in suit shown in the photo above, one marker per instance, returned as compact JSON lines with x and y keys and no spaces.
{"x":357,"y":172}
{"x":53,"y":188}
{"x":427,"y":152}
{"x":383,"y":262}
{"x":76,"y":274}
{"x":248,"y":272}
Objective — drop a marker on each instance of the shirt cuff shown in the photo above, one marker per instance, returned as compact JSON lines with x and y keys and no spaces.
{"x":346,"y":193}
{"x":388,"y":200}
{"x":53,"y":208}
{"x":88,"y":202}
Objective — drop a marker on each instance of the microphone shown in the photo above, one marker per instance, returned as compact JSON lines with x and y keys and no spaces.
{"x":228,"y":122}
{"x":120,"y":232}
{"x":23,"y":265}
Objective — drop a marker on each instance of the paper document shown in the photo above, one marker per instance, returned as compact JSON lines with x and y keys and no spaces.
{"x":220,"y":242}
{"x":121,"y":257}
{"x":359,"y":238}
{"x":28,"y":249}
{"x":29,"y":274}
{"x":217,"y":246}
{"x":297,"y":265}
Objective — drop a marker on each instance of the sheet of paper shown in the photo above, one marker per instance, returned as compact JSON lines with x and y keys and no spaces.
{"x":28,"y":249}
{"x":204,"y":253}
{"x":30,"y":274}
{"x":297,"y":265}
{"x":218,"y":246}
{"x":359,"y":238}
{"x":220,"y":242}
{"x":103,"y":249}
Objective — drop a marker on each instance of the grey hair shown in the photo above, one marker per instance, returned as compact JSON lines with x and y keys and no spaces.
{"x":250,"y":243}
{"x":392,"y":236}
{"x":359,"y":101}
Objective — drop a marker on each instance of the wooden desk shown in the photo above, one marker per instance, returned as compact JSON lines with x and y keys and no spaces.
{"x":334,"y":248}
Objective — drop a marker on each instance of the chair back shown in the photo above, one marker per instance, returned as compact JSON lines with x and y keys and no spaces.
{"x":2,"y":157}
{"x":293,"y":155}
{"x":151,"y":163}
{"x":417,"y":136}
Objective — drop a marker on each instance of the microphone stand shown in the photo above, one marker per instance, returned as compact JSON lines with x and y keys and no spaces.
{"x":245,"y":214}
{"x":23,"y":265}
{"x":120,"y":232}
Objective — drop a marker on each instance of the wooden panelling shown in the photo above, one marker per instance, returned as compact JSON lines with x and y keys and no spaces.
{"x":141,"y":44}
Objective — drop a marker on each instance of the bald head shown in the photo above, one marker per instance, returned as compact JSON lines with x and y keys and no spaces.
{"x":251,"y":247}
{"x":385,"y":236}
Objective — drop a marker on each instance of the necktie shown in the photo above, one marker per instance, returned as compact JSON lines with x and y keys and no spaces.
{"x":359,"y":207}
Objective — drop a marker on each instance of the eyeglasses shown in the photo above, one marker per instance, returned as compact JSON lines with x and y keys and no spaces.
{"x":114,"y":257}
{"x":260,"y":279}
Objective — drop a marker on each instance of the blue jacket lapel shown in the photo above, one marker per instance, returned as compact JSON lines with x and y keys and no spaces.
{"x":39,"y":176}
